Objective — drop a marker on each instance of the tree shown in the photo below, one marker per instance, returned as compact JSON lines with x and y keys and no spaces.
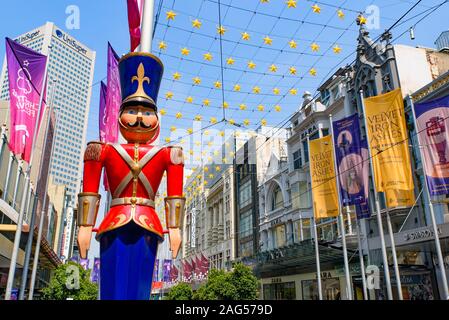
{"x":180,"y":291}
{"x":70,"y":280}
{"x":239,"y":284}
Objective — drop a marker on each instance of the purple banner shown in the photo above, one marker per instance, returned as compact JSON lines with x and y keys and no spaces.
{"x":432,"y":122}
{"x":84,"y":263}
{"x":26,"y":72}
{"x":362,"y":208}
{"x":156,"y":271}
{"x":349,"y":159}
{"x":113,"y":97}
{"x":95,"y":275}
{"x":166,"y":270}
{"x":102,"y":112}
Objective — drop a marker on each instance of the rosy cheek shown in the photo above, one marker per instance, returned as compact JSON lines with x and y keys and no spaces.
{"x":150,"y":120}
{"x":128,"y":118}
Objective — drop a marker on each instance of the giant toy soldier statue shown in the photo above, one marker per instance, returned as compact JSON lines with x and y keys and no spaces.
{"x":131,"y":230}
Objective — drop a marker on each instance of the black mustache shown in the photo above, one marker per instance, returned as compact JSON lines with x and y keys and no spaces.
{"x":139,"y":123}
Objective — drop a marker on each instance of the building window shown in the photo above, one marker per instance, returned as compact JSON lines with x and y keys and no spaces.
{"x":297,"y":160}
{"x":331,"y":289}
{"x":305,"y":147}
{"x":246,"y":249}
{"x":280,"y":236}
{"x":279,"y":291}
{"x":277,"y":200}
{"x":246,"y":224}
{"x":245,"y":194}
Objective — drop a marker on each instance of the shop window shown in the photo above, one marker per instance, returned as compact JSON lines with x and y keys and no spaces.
{"x":330,"y":288}
{"x":279,"y":291}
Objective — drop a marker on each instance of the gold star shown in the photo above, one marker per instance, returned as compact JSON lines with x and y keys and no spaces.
{"x":185,"y":51}
{"x":206,"y":102}
{"x":170,"y":15}
{"x":168,"y":95}
{"x":231,"y":121}
{"x":336,"y":49}
{"x":316,"y":8}
{"x":189,"y":99}
{"x":291,"y":3}
{"x":167,"y":140}
{"x":277,"y":108}
{"x":176,"y":76}
{"x":213,"y":120}
{"x":273,"y":68}
{"x":293,"y":91}
{"x":221,"y":30}
{"x":292,"y":70}
{"x":263,"y":122}
{"x":246,"y":122}
{"x":315,"y":47}
{"x":276,"y":91}
{"x":217,"y":84}
{"x":361,"y":20}
{"x":341,"y":14}
{"x":312,"y":72}
{"x":196,"y":80}
{"x":264,"y":1}
{"x":260,"y":107}
{"x":251,"y":65}
{"x":222,"y":133}
{"x":163,"y":112}
{"x":162,"y":45}
{"x":225,"y":105}
{"x":198,"y":118}
{"x":196,"y":23}
{"x":217,"y":168}
{"x":256,"y":90}
{"x":230,"y":61}
{"x":190,"y":131}
{"x":292,"y":44}
{"x":245,"y":36}
{"x":207,"y":56}
{"x":242,"y":106}
{"x":237,"y":87}
{"x":267,"y":40}
{"x":178,"y":115}
{"x":172,"y":128}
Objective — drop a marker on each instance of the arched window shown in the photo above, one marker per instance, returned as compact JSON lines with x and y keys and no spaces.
{"x":277,"y":201}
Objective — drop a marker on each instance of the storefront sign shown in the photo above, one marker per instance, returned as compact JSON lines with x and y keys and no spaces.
{"x":425,"y":234}
{"x":324,"y":275}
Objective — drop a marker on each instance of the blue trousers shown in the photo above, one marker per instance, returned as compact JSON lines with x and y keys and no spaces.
{"x":127,"y":257}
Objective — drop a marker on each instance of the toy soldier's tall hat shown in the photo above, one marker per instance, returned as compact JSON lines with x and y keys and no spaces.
{"x":140,"y":79}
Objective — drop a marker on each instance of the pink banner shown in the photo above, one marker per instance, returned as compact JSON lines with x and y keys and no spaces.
{"x":135,"y":8}
{"x":113,"y":97}
{"x":102,"y":112}
{"x":26,"y":69}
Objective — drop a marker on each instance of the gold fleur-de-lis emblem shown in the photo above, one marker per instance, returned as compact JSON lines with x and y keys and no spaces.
{"x":140,"y":78}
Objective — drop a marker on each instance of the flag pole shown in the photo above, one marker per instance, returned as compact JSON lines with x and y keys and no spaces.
{"x":147,"y":26}
{"x":432,"y":212}
{"x":395,"y":259}
{"x":8,"y":176}
{"x":362,"y":262}
{"x":349,"y":294}
{"x":315,"y":231}
{"x":378,"y":215}
{"x":44,"y":204}
{"x":15,"y":250}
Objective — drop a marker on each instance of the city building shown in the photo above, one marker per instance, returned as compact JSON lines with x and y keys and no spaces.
{"x":71,"y":65}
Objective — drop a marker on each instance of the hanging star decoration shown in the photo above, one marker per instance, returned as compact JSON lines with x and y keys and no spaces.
{"x":178,"y":115}
{"x":245,"y":36}
{"x":315,"y":47}
{"x":276,"y":91}
{"x":196,"y":80}
{"x":336,"y":49}
{"x":170,"y":15}
{"x":176,"y":76}
{"x":231,"y":121}
{"x":237,"y":87}
{"x":260,"y":107}
{"x":277,"y":108}
{"x":242,"y":106}
{"x":292,"y":70}
{"x":273,"y":68}
{"x":361,"y":20}
{"x":316,"y":8}
{"x":221,"y":30}
{"x":163,"y":112}
{"x":292,"y":44}
{"x":206,"y":102}
{"x":341,"y":14}
{"x":267,"y":40}
{"x":291,"y":3}
{"x":162,"y":45}
{"x":167,"y":140}
{"x":185,"y":51}
{"x":217,"y":84}
{"x":196,"y":23}
{"x":172,"y":128}
{"x":263,"y":122}
{"x":246,"y":122}
{"x":189,"y":130}
{"x":293,"y":91}
{"x":168,"y":95}
{"x":256,"y":89}
{"x":230,"y":61}
{"x":251,"y":65}
{"x":225,"y":105}
{"x":198,"y":117}
{"x":189,"y":99}
{"x":313,"y":72}
{"x":213,"y":120}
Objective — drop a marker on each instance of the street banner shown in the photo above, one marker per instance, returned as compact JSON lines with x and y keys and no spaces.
{"x":432,"y":123}
{"x":156,"y":271}
{"x":362,"y":207}
{"x":102,"y":112}
{"x":324,"y":188}
{"x":113,"y":97}
{"x":84,"y":263}
{"x":135,"y":8}
{"x":204,"y":265}
{"x":187,"y":272}
{"x":166,"y":269}
{"x":95,"y":275}
{"x":174,"y":273}
{"x":26,"y":73}
{"x":399,"y":198}
{"x":350,"y":164}
{"x":387,"y":136}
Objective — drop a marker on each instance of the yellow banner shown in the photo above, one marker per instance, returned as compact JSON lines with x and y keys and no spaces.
{"x":324,"y":187}
{"x":387,"y":136}
{"x":400,"y":198}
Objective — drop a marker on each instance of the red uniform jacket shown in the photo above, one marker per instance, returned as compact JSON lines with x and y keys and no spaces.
{"x":134,"y":172}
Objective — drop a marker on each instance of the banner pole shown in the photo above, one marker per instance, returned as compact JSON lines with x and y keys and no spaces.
{"x":44,"y":208}
{"x":362,"y":262}
{"x":15,"y":250}
{"x":432,"y":213}
{"x":340,"y":216}
{"x":315,"y":231}
{"x":378,"y":215}
{"x":147,"y":26}
{"x":395,"y":258}
{"x":8,"y":176}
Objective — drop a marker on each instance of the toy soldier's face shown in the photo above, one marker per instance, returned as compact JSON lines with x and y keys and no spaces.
{"x":138,"y":123}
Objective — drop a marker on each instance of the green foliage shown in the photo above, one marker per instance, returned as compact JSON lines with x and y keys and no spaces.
{"x":239,"y":284}
{"x":70,"y":280}
{"x":181,"y":291}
